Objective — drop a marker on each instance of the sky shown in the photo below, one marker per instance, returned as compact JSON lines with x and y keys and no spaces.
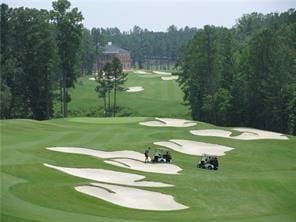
{"x":158,"y":15}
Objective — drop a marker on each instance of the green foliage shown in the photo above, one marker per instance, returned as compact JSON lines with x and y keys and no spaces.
{"x":243,"y":76}
{"x":28,"y":60}
{"x":111,"y":77}
{"x":68,"y":28}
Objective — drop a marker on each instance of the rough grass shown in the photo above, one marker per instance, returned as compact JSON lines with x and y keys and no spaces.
{"x":256,"y":181}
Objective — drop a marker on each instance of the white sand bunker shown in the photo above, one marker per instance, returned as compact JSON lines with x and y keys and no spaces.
{"x":195,"y":148}
{"x":169,"y":77}
{"x":100,"y":154}
{"x":169,"y":122}
{"x":132,"y":197}
{"x":135,"y":89}
{"x":162,"y":73}
{"x":253,"y":134}
{"x":164,"y":168}
{"x":109,"y":176}
{"x":212,"y":132}
{"x":141,"y":72}
{"x":128,"y":159}
{"x":246,"y":134}
{"x":92,"y":78}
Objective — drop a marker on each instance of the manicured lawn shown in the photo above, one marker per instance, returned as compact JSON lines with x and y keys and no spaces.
{"x":159,"y":98}
{"x":256,"y":181}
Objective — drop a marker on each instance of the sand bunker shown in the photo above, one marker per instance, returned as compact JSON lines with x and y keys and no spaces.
{"x":253,"y":134}
{"x":195,"y":148}
{"x":169,"y":77}
{"x":246,"y":134}
{"x":100,"y":154}
{"x":166,"y":122}
{"x":212,"y":132}
{"x":146,"y":167}
{"x":141,"y":72}
{"x":135,"y":89}
{"x":131,"y":197}
{"x":108,"y":176}
{"x":92,"y":78}
{"x":162,"y":73}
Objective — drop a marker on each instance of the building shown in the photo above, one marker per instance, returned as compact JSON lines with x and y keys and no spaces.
{"x":110,"y":51}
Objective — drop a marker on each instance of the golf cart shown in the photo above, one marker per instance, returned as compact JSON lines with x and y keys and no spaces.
{"x":162,"y":156}
{"x":208,"y":162}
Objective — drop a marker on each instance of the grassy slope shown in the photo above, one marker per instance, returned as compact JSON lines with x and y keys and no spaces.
{"x":159,"y":98}
{"x":256,"y":181}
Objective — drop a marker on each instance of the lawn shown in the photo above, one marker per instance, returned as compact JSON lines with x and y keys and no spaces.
{"x":159,"y":98}
{"x":256,"y":181}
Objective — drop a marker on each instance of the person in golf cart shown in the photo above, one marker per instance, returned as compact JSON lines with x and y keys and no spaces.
{"x":162,"y":156}
{"x":208,"y":162}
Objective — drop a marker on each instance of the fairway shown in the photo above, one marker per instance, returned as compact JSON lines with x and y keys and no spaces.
{"x":255,"y":182}
{"x":159,"y":99}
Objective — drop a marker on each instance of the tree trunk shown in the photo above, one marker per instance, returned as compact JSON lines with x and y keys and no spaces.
{"x":109,"y":105}
{"x":105,"y":106}
{"x":114,"y":102}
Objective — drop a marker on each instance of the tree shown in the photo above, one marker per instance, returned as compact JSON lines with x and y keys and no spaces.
{"x":119,"y":79}
{"x":111,"y":77}
{"x":28,"y":59}
{"x":87,"y":53}
{"x":245,"y":75}
{"x":68,"y":36}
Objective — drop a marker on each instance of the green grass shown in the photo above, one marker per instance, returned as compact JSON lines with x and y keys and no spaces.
{"x":159,"y":98}
{"x":256,"y":181}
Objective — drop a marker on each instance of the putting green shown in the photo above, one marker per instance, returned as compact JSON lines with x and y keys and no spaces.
{"x":256,"y":181}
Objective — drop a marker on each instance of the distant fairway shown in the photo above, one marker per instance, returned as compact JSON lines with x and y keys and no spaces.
{"x":256,"y":181}
{"x":159,"y":98}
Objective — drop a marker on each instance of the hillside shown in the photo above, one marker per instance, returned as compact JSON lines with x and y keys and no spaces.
{"x":255,"y":182}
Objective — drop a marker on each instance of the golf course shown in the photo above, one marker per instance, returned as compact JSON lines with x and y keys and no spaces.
{"x":83,"y":168}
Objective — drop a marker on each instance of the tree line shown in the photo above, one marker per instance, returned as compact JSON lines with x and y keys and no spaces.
{"x":39,"y":59}
{"x":245,"y":75}
{"x":145,"y":46}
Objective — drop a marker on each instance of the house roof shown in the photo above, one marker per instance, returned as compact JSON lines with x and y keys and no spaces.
{"x":113,"y":49}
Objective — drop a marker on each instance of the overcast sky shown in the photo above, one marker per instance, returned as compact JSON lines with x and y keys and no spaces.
{"x":157,"y":15}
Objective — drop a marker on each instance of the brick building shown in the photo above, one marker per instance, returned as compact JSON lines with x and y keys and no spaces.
{"x":110,"y":51}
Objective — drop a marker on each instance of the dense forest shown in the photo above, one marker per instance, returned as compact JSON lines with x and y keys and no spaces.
{"x":245,"y":75}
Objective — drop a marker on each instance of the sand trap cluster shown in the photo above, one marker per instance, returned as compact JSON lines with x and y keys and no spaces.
{"x":246,"y":134}
{"x":127,"y":159}
{"x":120,"y":195}
{"x":167,"y":122}
{"x":162,"y":73}
{"x":135,"y":89}
{"x":195,"y":148}
{"x":146,"y":167}
{"x":98,"y":153}
{"x":108,"y":176}
{"x":169,"y":77}
{"x":131,"y":197}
